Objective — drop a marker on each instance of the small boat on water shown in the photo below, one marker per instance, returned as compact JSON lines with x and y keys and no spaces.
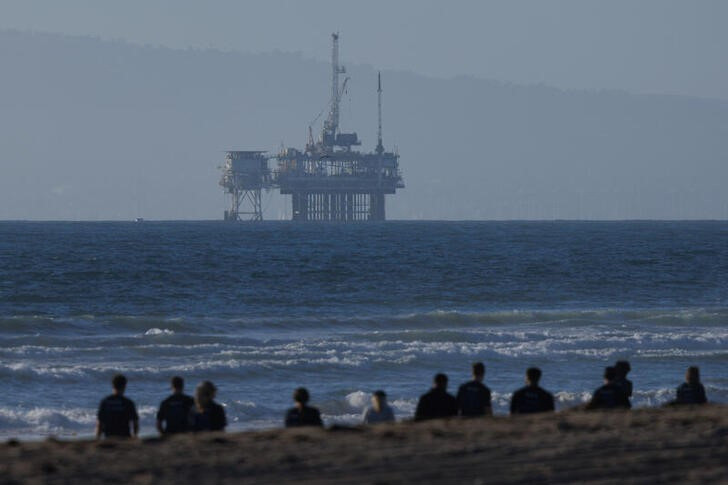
{"x":139,"y":219}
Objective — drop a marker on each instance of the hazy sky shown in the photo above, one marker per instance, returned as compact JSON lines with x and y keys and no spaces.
{"x":646,"y":46}
{"x":513,"y":148}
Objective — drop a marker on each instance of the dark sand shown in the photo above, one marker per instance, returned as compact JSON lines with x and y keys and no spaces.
{"x":688,"y":445}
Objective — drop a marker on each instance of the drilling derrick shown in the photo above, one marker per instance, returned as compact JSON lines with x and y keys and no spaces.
{"x":330,"y":181}
{"x":380,"y":147}
{"x":245,"y":174}
{"x":331,"y":125}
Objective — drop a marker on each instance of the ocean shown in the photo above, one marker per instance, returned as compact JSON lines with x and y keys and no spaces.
{"x":343,"y":310}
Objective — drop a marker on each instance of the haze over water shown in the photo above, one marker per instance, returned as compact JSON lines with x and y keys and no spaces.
{"x":345,"y":309}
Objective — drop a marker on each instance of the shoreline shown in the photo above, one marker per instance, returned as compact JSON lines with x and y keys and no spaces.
{"x":686,"y":444}
{"x":148,"y":430}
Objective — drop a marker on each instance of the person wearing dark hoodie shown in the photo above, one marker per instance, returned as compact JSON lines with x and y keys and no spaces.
{"x":610,"y":395}
{"x":532,"y":398}
{"x":474,"y":397}
{"x":174,"y":412}
{"x":437,"y":403}
{"x":302,"y":414}
{"x":207,"y":415}
{"x":117,"y":416}
{"x":623,"y":368}
{"x":691,"y":391}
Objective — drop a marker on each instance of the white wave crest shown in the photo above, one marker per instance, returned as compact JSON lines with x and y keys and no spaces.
{"x":358,"y":399}
{"x":158,"y":331}
{"x":404,"y":407}
{"x":39,"y":420}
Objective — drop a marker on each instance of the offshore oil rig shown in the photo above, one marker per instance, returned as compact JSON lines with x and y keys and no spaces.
{"x":328,"y":180}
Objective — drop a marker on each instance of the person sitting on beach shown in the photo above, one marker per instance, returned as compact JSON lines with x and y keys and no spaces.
{"x":302,"y":414}
{"x":691,"y":391}
{"x":610,"y":395}
{"x":532,"y":398}
{"x":174,"y":412}
{"x":437,"y":403}
{"x":623,"y":368}
{"x":474,"y":397}
{"x":379,"y":412}
{"x":207,"y":414}
{"x":116,"y":413}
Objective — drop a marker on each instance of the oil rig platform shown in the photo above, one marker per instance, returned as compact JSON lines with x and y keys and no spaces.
{"x":328,"y":180}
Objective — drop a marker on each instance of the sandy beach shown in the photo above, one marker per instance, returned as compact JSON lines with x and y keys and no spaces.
{"x":642,"y":446}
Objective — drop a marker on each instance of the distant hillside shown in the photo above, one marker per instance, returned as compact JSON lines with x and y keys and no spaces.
{"x":106,"y":130}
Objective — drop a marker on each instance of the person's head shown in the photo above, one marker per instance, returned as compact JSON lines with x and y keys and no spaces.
{"x":533,"y":375}
{"x":440,"y":382}
{"x":622,"y":367}
{"x":301,"y":396}
{"x":379,"y":400}
{"x":610,"y":373}
{"x":204,"y":394}
{"x":178,"y":384}
{"x":478,"y":371}
{"x":692,"y":375}
{"x":118,"y":383}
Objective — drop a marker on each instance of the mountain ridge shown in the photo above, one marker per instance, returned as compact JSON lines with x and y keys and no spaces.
{"x":471,"y":148}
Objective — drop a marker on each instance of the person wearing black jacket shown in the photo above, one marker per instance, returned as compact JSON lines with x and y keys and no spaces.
{"x":623,"y":368}
{"x":117,"y":413}
{"x":174,"y":412}
{"x":691,"y":391}
{"x":437,"y":403}
{"x":474,"y":397}
{"x":532,"y":398}
{"x":207,"y":414}
{"x":302,"y":414}
{"x":610,"y":395}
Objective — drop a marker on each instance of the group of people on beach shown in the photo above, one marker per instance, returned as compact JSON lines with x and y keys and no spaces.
{"x":178,"y":413}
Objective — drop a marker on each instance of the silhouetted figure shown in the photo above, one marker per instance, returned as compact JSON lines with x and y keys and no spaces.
{"x":437,"y":403}
{"x":474,"y":397}
{"x":117,"y":415}
{"x":174,"y":412}
{"x":610,"y":395}
{"x":623,"y":368}
{"x":379,"y":412}
{"x":301,"y":414}
{"x":691,"y":391}
{"x":207,"y":414}
{"x":532,"y":398}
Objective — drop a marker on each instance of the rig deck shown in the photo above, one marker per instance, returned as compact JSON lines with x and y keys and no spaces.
{"x":328,"y":180}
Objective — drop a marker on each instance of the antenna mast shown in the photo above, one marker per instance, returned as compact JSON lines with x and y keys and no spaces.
{"x":380,"y":147}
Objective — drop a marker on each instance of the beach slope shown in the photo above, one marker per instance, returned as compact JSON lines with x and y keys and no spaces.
{"x":642,"y":446}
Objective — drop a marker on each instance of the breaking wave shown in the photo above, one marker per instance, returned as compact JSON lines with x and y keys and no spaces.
{"x":21,"y":325}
